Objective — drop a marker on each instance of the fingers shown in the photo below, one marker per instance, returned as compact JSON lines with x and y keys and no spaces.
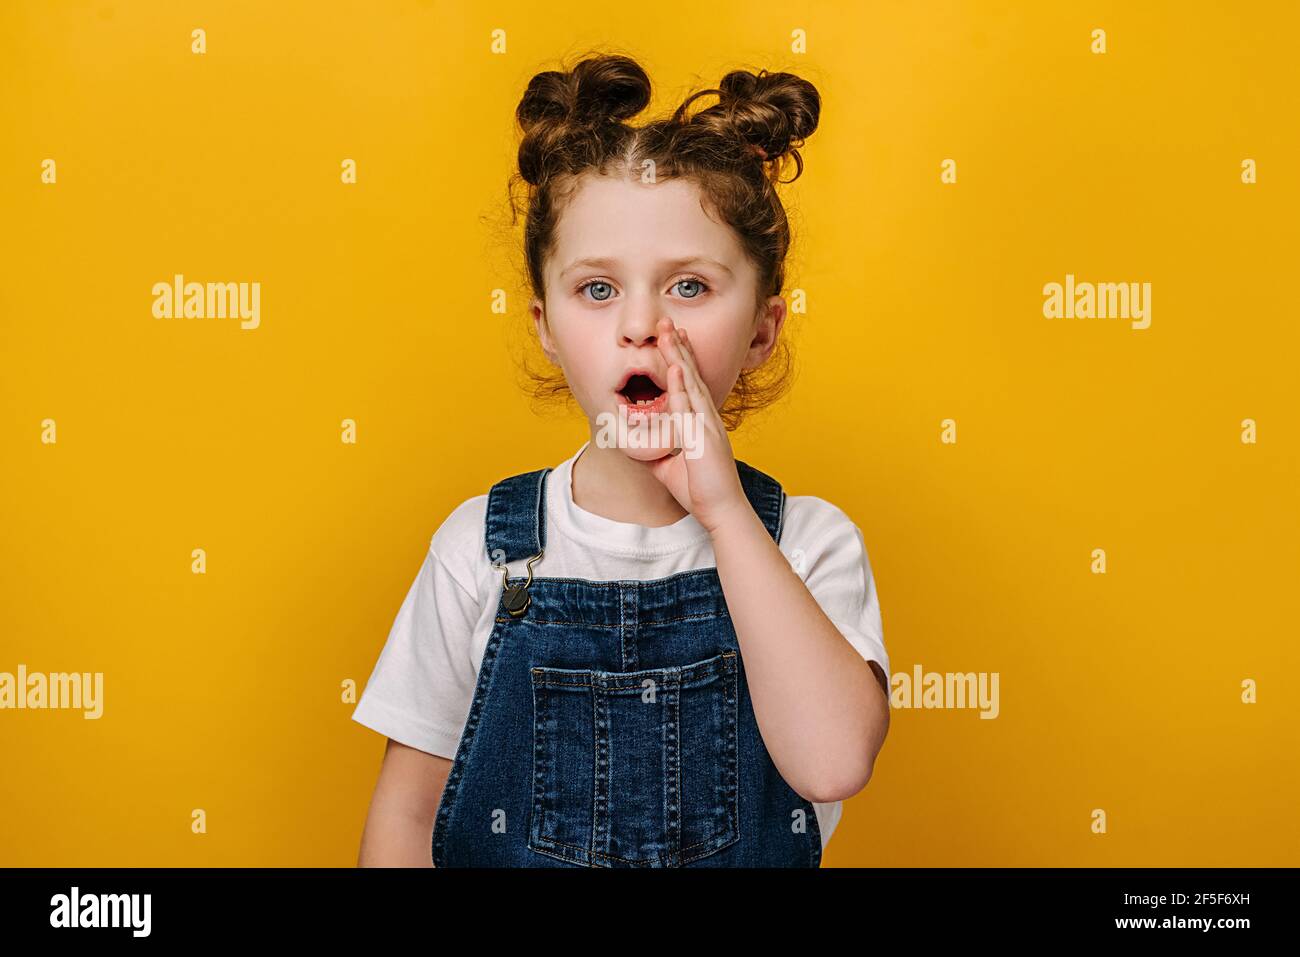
{"x":680,"y":353}
{"x":678,"y":399}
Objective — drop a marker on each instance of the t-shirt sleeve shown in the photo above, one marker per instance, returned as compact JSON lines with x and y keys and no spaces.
{"x":830,"y":555}
{"x":423,"y":683}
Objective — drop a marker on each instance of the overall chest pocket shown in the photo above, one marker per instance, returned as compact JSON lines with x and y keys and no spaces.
{"x":635,"y":768}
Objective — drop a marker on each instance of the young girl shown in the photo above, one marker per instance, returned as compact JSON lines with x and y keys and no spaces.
{"x":638,"y":657}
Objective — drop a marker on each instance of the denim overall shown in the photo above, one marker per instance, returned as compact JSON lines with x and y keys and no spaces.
{"x":611,"y":724}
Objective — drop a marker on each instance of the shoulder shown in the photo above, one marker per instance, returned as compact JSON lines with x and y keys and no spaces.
{"x":458,"y":543}
{"x":808,"y":515}
{"x":819,"y":535}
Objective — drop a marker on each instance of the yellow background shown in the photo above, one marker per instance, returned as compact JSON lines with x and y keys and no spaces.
{"x":222,"y":691}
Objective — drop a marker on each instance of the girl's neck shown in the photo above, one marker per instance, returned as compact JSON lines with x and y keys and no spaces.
{"x":609,"y":484}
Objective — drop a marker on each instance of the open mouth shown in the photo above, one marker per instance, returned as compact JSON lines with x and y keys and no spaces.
{"x":641,"y":393}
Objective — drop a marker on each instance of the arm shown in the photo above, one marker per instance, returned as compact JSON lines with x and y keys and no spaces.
{"x":822,"y":709}
{"x":399,"y":825}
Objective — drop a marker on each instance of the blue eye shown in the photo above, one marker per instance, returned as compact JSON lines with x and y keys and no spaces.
{"x":597,"y":282}
{"x":700,"y":288}
{"x":694,"y":282}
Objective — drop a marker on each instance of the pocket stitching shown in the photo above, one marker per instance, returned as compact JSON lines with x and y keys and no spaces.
{"x":722,"y":667}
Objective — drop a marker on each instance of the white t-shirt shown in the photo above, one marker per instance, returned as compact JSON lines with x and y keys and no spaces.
{"x":420,"y":691}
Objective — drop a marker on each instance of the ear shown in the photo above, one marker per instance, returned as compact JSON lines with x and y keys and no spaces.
{"x":538,"y":310}
{"x":767,"y":329}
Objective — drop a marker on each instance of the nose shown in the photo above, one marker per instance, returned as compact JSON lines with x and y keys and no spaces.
{"x":638,"y":324}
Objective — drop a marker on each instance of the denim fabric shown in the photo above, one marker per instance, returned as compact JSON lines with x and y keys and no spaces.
{"x":611,"y":724}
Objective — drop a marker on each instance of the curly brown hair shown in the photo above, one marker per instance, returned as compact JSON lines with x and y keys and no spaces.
{"x":574,"y":121}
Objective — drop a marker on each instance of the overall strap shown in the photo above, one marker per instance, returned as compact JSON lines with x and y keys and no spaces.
{"x":516,"y":517}
{"x":766,"y":496}
{"x":516,"y":511}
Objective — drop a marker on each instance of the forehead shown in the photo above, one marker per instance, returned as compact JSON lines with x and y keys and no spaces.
{"x":640,"y":223}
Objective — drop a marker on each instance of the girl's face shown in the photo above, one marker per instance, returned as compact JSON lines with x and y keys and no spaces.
{"x":627,"y":254}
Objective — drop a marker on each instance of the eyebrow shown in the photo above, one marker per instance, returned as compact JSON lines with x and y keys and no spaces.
{"x":604,"y":262}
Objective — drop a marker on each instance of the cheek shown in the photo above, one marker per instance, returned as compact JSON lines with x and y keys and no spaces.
{"x":714,"y":360}
{"x":727,"y":356}
{"x":716,"y":352}
{"x":580,"y":353}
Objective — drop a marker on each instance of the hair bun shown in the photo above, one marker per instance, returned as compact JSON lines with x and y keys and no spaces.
{"x":602,"y":89}
{"x":768,"y":115}
{"x":558,"y":104}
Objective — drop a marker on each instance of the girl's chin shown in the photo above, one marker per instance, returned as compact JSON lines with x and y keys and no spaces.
{"x":647,"y":455}
{"x":638,"y":437}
